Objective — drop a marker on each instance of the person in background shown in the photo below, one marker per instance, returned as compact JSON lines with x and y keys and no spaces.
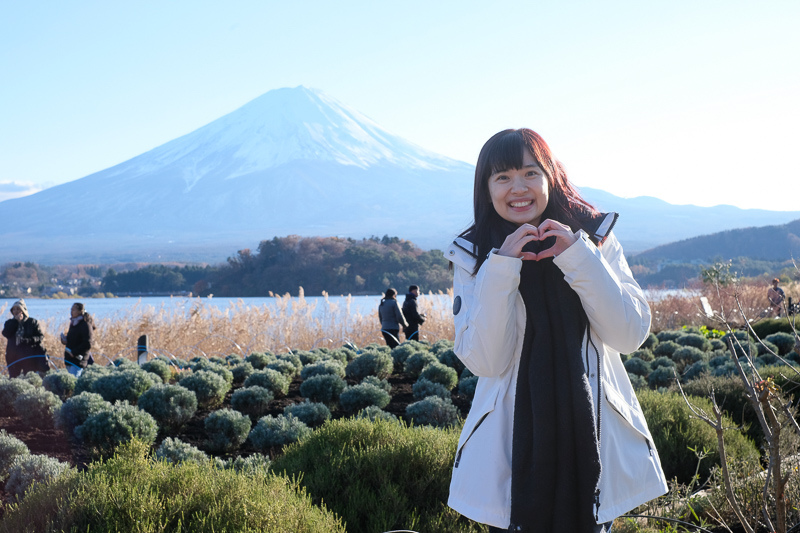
{"x":24,"y":350}
{"x":78,"y":340}
{"x":413,"y":317}
{"x":544,"y":303}
{"x":391,"y":318}
{"x":776,"y":297}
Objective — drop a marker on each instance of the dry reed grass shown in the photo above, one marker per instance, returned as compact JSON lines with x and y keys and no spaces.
{"x":296,"y":324}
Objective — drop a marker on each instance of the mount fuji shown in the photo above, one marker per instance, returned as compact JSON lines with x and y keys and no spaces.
{"x":292,"y":161}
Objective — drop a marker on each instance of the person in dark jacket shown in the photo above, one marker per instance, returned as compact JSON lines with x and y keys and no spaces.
{"x":24,"y":351}
{"x":78,"y":340}
{"x":413,"y":317}
{"x":391,"y":318}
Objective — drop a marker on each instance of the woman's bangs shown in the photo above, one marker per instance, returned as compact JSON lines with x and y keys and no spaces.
{"x":506,"y":154}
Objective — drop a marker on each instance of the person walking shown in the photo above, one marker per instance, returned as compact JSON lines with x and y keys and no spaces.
{"x":78,"y":340}
{"x":544,"y":303}
{"x":391,"y":318}
{"x":413,"y":317}
{"x":776,"y":296}
{"x":24,"y":350}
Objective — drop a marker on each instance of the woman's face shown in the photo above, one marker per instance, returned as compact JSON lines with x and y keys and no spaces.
{"x":520,"y":195}
{"x":74,"y":312}
{"x":16,"y":312}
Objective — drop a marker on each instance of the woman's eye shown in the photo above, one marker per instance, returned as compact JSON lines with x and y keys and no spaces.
{"x":532,"y":174}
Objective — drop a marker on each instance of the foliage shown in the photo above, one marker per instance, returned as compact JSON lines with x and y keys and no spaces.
{"x":61,"y":383}
{"x":77,"y":410}
{"x":448,"y":357}
{"x":217,"y":368}
{"x":123,"y":384}
{"x":403,"y":351}
{"x":424,"y":388}
{"x":250,"y":465}
{"x":666,"y":348}
{"x":637,"y":367}
{"x":695,"y":340}
{"x":37,"y":407}
{"x":241,"y":372}
{"x":226,"y":429}
{"x":121,"y":423}
{"x":417,"y":361}
{"x":10,"y":448}
{"x":156,"y":278}
{"x":176,"y":451}
{"x":441,"y":374}
{"x":209,"y":387}
{"x":323,"y":388}
{"x":277,"y":431}
{"x":373,"y":412}
{"x":171,"y":405}
{"x":10,"y":389}
{"x":783,"y":341}
{"x":380,"y":383}
{"x":284,"y":367}
{"x":30,"y":470}
{"x":643,"y":354}
{"x":357,"y":397}
{"x":379,"y":475}
{"x":466,"y":386}
{"x":661,"y":376}
{"x":272,"y":380}
{"x":260,"y":360}
{"x":433,"y":411}
{"x":133,"y":492}
{"x":311,"y":414}
{"x":252,"y":401}
{"x":328,"y":366}
{"x":370,"y":363}
{"x":650,"y":342}
{"x":160,"y":368}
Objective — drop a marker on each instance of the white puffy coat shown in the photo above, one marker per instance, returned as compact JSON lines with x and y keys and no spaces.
{"x":489,"y":331}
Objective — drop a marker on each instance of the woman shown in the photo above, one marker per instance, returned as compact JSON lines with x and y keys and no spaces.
{"x":78,"y":340}
{"x":544,"y":304}
{"x":391,"y":318}
{"x":24,"y":350}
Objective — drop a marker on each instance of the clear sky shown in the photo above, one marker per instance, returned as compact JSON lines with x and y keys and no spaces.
{"x":692,"y":101}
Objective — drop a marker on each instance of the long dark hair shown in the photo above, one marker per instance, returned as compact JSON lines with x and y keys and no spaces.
{"x":86,"y":316}
{"x":504,"y":152}
{"x":390,"y":295}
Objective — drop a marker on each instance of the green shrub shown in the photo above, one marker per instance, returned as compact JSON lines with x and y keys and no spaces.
{"x":666,"y":348}
{"x":323,"y":368}
{"x":134,"y":492}
{"x":234,"y":359}
{"x":10,"y":389}
{"x":379,"y":475}
{"x":226,"y":429}
{"x":323,"y":388}
{"x":36,"y":408}
{"x":433,"y":411}
{"x":123,"y":384}
{"x":77,"y":410}
{"x":768,"y":326}
{"x":638,"y":382}
{"x":766,"y":348}
{"x":311,"y":414}
{"x":121,"y":423}
{"x":403,"y":351}
{"x":30,"y":470}
{"x":686,"y":356}
{"x":61,"y":383}
{"x":650,"y":342}
{"x":31,"y":377}
{"x":717,"y":344}
{"x":272,"y":380}
{"x":252,"y":401}
{"x":424,"y":388}
{"x":277,"y":431}
{"x":10,"y":448}
{"x":662,"y":361}
{"x":252,"y":464}
{"x":668,"y":335}
{"x":380,"y":383}
{"x":638,"y":367}
{"x":171,"y":405}
{"x":661,"y":376}
{"x":294,"y":359}
{"x":695,"y":340}
{"x":373,"y":412}
{"x":241,"y":372}
{"x":441,"y":346}
{"x":417,"y":361}
{"x":695,"y":370}
{"x":745,"y":345}
{"x":209,"y":387}
{"x":643,"y":354}
{"x":448,"y":357}
{"x":284,"y":367}
{"x":466,"y":386}
{"x":308,"y":358}
{"x":176,"y":451}
{"x":371,"y":363}
{"x":160,"y":368}
{"x":89,"y":375}
{"x":260,"y":360}
{"x":783,"y":341}
{"x":675,"y":430}
{"x":357,"y":397}
{"x":209,"y":366}
{"x":441,"y":374}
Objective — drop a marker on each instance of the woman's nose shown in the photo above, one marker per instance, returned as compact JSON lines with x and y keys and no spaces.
{"x":518,"y":184}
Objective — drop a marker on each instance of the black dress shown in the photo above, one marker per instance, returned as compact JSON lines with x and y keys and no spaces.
{"x":24,"y":353}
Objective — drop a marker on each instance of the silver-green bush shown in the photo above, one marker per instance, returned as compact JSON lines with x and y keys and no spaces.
{"x":29,"y":470}
{"x":37,"y":407}
{"x":284,"y":367}
{"x":403,"y":351}
{"x":176,"y":451}
{"x":272,"y":380}
{"x":448,"y":357}
{"x":226,"y":429}
{"x":252,"y":464}
{"x":372,"y":363}
{"x":241,"y":372}
{"x":219,"y":369}
{"x":160,"y":368}
{"x":373,"y":412}
{"x":10,"y":448}
{"x":260,"y":360}
{"x":441,"y":374}
{"x":292,"y":358}
{"x":89,"y":375}
{"x":77,"y":410}
{"x":324,"y":388}
{"x":433,"y":411}
{"x":10,"y":389}
{"x":32,"y":377}
{"x":380,"y":383}
{"x":125,"y":383}
{"x":252,"y":401}
{"x":424,"y":388}
{"x":61,"y":383}
{"x":417,"y":361}
{"x":357,"y":397}
{"x":277,"y":431}
{"x":106,"y":430}
{"x":329,"y":366}
{"x":209,"y":387}
{"x":467,"y":386}
{"x":311,"y":414}
{"x":171,"y":405}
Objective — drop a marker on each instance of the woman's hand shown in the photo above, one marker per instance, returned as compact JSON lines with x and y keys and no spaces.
{"x":512,"y":246}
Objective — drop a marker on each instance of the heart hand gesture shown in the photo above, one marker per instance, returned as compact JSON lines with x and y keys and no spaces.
{"x":512,"y":246}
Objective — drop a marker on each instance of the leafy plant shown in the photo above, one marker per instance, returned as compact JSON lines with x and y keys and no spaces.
{"x":176,"y":451}
{"x":61,"y":383}
{"x":321,"y":368}
{"x":121,"y":423}
{"x":272,"y":380}
{"x":37,"y":407}
{"x":441,"y":374}
{"x":160,"y":368}
{"x":323,"y":388}
{"x":226,"y":429}
{"x":30,"y":470}
{"x":252,"y":401}
{"x":171,"y":405}
{"x":310,"y":413}
{"x":125,"y":383}
{"x":277,"y":431}
{"x":433,"y":411}
{"x":209,"y":387}
{"x":10,"y":448}
{"x":357,"y":397}
{"x":424,"y":388}
{"x":372,"y":363}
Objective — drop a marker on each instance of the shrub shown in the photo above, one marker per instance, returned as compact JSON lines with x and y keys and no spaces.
{"x":695,"y":370}
{"x":637,"y":366}
{"x":252,"y":401}
{"x":135,"y":492}
{"x":731,"y":398}
{"x":37,"y":407}
{"x":466,"y":386}
{"x":448,"y":357}
{"x":171,"y":405}
{"x":433,"y":411}
{"x":30,"y":470}
{"x":650,"y":342}
{"x":357,"y":397}
{"x":402,"y":352}
{"x":373,"y":412}
{"x":370,"y":364}
{"x":323,"y":388}
{"x":441,"y":346}
{"x":294,"y":359}
{"x":311,"y":414}
{"x":250,"y":465}
{"x":638,"y":382}
{"x":668,"y":335}
{"x":160,"y":368}
{"x":307,"y":358}
{"x":766,"y":348}
{"x":241,"y":372}
{"x":125,"y":384}
{"x":77,"y":410}
{"x":89,"y":375}
{"x":260,"y":360}
{"x":717,"y":344}
{"x":209,"y":388}
{"x":687,"y":355}
{"x":234,"y":359}
{"x":424,"y":388}
{"x":417,"y":361}
{"x":726,"y":369}
{"x":666,"y":348}
{"x":766,"y":360}
{"x":121,"y":423}
{"x":380,"y":383}
{"x":60,"y":383}
{"x":176,"y":451}
{"x":31,"y":377}
{"x":783,"y":341}
{"x":10,"y":389}
{"x":746,"y":344}
{"x":662,"y":361}
{"x":675,"y":430}
{"x":10,"y":448}
{"x":441,"y":374}
{"x":277,"y":431}
{"x":643,"y":354}
{"x":380,"y":475}
{"x":226,"y":429}
{"x":284,"y":367}
{"x":695,"y":340}
{"x":209,"y":366}
{"x":322,"y":368}
{"x":272,"y":380}
{"x":661,"y":376}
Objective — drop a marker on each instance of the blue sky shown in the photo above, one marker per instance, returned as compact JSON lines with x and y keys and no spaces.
{"x":689,"y":101}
